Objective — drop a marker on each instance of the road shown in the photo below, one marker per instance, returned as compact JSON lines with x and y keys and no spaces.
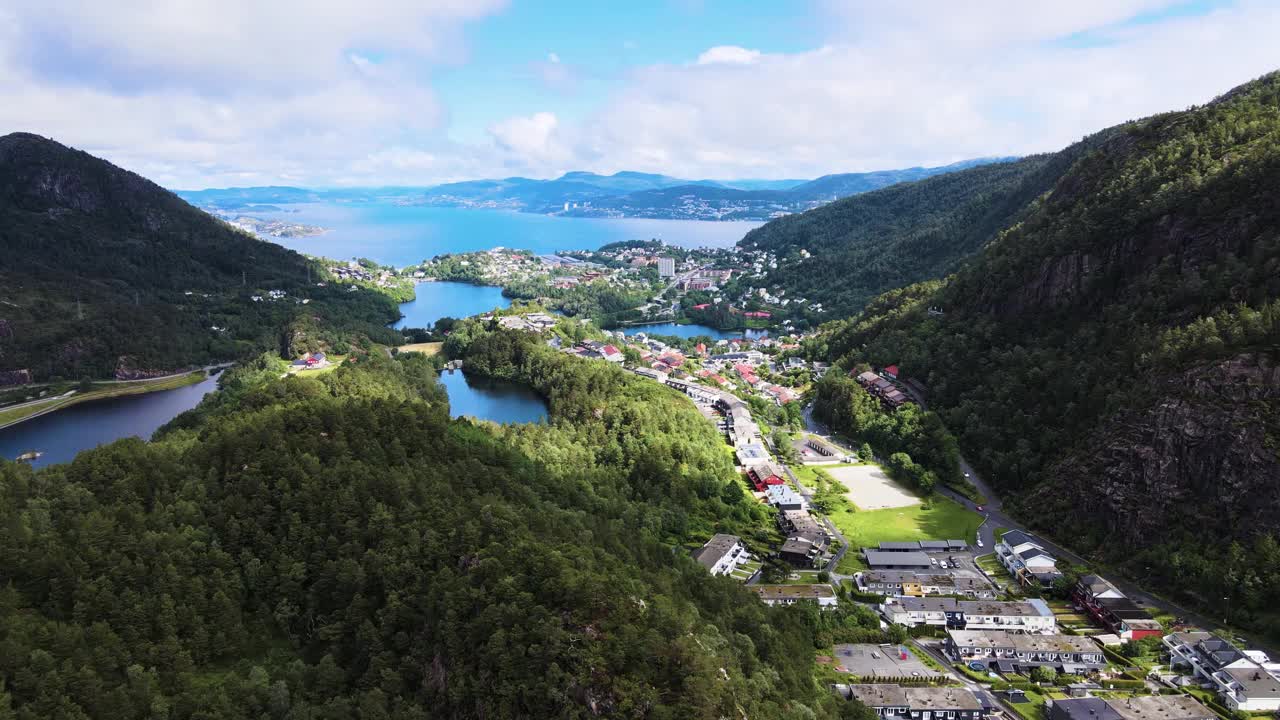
{"x":57,"y":402}
{"x":994,"y":517}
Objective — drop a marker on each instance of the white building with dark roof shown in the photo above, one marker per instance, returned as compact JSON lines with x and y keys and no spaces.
{"x":722,"y":554}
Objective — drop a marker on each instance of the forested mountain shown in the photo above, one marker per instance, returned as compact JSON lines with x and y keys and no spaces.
{"x":337,"y":547}
{"x":1109,"y":358}
{"x":102,"y":272}
{"x":864,"y":245}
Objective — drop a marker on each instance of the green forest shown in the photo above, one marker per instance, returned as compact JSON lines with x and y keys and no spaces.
{"x":1108,"y":359}
{"x":105,"y":272}
{"x":865,"y":245}
{"x":337,"y":547}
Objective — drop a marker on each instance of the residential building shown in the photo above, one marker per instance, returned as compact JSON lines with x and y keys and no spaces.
{"x":1085,"y":708}
{"x":666,"y":267}
{"x":921,"y":584}
{"x":1111,"y":609}
{"x":791,"y":594}
{"x":1026,"y":559}
{"x":1027,"y":616}
{"x":804,"y":549}
{"x":1161,"y":707}
{"x":916,"y":703}
{"x":764,"y":474}
{"x":784,"y":498}
{"x":1016,"y":651}
{"x":722,"y":554}
{"x":1242,"y":680}
{"x":1135,"y":707}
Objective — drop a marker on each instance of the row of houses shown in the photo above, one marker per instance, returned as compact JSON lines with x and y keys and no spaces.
{"x":1026,"y":560}
{"x":1246,"y":680}
{"x":1026,"y":616}
{"x":920,"y":703}
{"x":1133,"y":707}
{"x":1114,"y":611}
{"x":883,"y":388}
{"x":1018,"y":652}
{"x":921,"y":584}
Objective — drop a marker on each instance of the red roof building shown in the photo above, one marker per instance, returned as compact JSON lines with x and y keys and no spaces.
{"x":891,"y":371}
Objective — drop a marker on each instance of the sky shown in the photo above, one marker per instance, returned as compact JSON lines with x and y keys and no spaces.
{"x":322,"y":93}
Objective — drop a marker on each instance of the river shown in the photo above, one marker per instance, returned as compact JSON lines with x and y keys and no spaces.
{"x":501,"y":402}
{"x":62,"y":434}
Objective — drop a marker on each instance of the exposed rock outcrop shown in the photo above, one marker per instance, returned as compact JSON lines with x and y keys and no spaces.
{"x":1204,"y":457}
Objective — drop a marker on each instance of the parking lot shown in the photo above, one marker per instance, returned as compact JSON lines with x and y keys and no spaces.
{"x":883,"y":661}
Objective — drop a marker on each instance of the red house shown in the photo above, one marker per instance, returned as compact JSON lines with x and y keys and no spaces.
{"x":891,"y":371}
{"x":764,"y":475}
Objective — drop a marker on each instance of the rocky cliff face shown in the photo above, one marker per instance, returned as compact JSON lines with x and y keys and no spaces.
{"x":1202,"y":458}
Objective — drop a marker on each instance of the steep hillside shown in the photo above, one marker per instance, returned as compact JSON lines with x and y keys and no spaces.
{"x":104,"y":272}
{"x":1109,"y":359}
{"x":864,"y":245}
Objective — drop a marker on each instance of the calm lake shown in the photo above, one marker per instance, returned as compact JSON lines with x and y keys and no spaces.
{"x":403,"y":235}
{"x":435,"y":300}
{"x":62,"y":434}
{"x":494,"y":400}
{"x":688,"y":331}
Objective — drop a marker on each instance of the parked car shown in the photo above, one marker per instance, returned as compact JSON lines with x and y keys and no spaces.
{"x":979,"y":542}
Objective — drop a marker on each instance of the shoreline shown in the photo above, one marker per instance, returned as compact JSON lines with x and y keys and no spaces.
{"x":119,"y":389}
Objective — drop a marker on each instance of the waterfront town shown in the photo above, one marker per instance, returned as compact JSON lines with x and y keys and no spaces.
{"x":1007,"y":629}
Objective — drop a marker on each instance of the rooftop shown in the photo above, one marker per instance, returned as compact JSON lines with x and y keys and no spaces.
{"x":1022,"y":642}
{"x":1162,"y":707}
{"x":709,"y":554}
{"x":792,"y":592}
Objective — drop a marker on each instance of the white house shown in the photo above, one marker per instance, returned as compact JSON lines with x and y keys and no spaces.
{"x":722,"y":554}
{"x":1026,"y":559}
{"x":1242,"y":681}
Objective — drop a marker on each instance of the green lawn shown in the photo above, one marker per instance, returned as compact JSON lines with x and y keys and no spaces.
{"x":941,"y":520}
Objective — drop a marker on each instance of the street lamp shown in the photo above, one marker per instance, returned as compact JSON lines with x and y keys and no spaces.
{"x":1227,"y":619}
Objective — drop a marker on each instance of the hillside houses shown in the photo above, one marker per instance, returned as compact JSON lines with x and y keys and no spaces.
{"x":1114,"y":611}
{"x":1246,"y":681}
{"x":1026,"y":559}
{"x":823,"y":595}
{"x":722,"y":554}
{"x":884,"y":389}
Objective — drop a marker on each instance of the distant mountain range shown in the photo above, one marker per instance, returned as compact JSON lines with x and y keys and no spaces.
{"x":586,"y":194}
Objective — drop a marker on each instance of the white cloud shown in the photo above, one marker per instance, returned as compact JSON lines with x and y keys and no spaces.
{"x":531,"y":141}
{"x":193,"y":93}
{"x":728,"y":55}
{"x":902,"y":84}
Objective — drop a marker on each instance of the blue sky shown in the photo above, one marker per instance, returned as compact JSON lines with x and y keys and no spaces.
{"x":194,"y":93}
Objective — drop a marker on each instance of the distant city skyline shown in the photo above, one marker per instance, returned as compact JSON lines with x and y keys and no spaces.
{"x":403,"y":92}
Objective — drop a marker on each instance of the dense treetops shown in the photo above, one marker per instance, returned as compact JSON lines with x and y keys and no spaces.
{"x":1158,"y":251}
{"x":337,"y":547}
{"x":103,"y":269}
{"x":864,"y":245}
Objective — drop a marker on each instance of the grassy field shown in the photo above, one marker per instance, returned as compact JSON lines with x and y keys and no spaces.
{"x":937,"y":519}
{"x":100,"y":391}
{"x":430,"y":348}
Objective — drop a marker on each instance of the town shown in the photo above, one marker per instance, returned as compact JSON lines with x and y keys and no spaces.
{"x":971,"y":630}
